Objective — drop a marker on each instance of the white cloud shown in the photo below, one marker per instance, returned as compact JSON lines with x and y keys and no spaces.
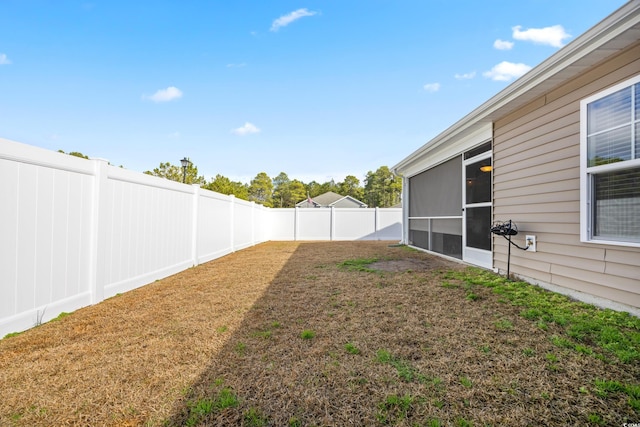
{"x":285,"y":20}
{"x":502,"y":44}
{"x":465,"y":76}
{"x":246,"y":129}
{"x":432,"y":87}
{"x":4,"y":60}
{"x":506,"y":71}
{"x":552,"y":36}
{"x":164,"y":95}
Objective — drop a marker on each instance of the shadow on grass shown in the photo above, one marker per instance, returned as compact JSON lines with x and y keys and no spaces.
{"x":304,"y":354}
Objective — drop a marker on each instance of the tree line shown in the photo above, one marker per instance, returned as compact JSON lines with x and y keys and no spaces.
{"x":381,"y":187}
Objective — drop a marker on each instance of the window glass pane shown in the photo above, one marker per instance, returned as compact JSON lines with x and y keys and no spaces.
{"x":478,"y":150}
{"x":478,"y":184}
{"x":610,"y":111}
{"x":637,"y":94}
{"x":609,"y":147}
{"x":478,"y":227}
{"x":638,"y":140}
{"x":617,"y":205}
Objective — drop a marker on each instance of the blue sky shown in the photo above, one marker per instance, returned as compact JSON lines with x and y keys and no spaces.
{"x":316,"y":89}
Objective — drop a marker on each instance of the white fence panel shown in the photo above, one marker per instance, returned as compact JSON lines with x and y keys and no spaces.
{"x":145,"y":228}
{"x":214,"y":237}
{"x":260,"y":223}
{"x":355,"y":224}
{"x":389,"y":225}
{"x":76,"y":231}
{"x":45,"y":216}
{"x":243,"y":224}
{"x":314,"y":224}
{"x":282,"y":224}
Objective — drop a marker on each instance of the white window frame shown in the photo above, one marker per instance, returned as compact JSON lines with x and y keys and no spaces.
{"x":586,"y":172}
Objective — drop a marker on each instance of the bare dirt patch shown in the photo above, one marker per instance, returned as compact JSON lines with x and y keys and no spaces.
{"x":280,"y":335}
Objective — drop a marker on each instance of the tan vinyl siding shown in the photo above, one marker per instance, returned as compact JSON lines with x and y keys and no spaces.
{"x":537,"y":185}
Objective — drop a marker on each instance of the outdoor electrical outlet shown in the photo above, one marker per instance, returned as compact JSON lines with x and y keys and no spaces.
{"x":531,"y":243}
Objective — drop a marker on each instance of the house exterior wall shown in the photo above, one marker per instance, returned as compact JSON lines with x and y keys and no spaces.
{"x":537,"y":185}
{"x":347,"y":203}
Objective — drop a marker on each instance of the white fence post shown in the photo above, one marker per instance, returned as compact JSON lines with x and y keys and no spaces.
{"x":296,"y":221}
{"x":253,"y":223}
{"x":376,"y":221}
{"x":96,"y":289}
{"x":332,"y":223}
{"x":232,"y":223}
{"x":194,"y":228}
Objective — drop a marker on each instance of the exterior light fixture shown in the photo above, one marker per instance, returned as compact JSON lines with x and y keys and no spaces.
{"x":185,"y":164}
{"x":487,"y":168}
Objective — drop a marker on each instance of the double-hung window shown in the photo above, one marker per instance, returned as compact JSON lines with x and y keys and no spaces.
{"x":610,"y":165}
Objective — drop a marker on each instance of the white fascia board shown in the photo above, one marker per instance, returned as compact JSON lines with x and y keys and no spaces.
{"x":515,"y":95}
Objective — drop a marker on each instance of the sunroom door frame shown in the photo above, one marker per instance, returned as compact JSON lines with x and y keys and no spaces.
{"x":474,"y":255}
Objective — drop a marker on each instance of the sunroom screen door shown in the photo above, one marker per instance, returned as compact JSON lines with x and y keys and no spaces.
{"x":477,"y":210}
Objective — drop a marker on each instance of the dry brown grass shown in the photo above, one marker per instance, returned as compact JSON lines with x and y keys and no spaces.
{"x":164,"y":353}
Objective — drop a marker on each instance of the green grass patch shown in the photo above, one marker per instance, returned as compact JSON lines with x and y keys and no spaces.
{"x":404,"y":369}
{"x":586,"y":329}
{"x":61,"y":316}
{"x":604,"y":388}
{"x":461,"y":422}
{"x":351,"y":348}
{"x":226,"y":399}
{"x":504,"y":324}
{"x":201,"y":408}
{"x":450,"y":285}
{"x":472,"y":297}
{"x":254,"y":418}
{"x":307,"y":334}
{"x":465,"y":381}
{"x":361,"y":264}
{"x":596,"y":419}
{"x":240,"y":348}
{"x":394,"y":409}
{"x":12,"y":334}
{"x":529,"y":352}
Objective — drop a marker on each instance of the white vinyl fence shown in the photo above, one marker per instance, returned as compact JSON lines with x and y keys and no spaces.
{"x":74,"y":231}
{"x":336,"y":224}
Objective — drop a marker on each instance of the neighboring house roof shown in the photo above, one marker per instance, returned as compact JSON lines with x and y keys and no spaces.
{"x":330,"y":199}
{"x":613,"y":34}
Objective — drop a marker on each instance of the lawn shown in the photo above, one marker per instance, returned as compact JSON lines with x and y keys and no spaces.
{"x":326,"y":334}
